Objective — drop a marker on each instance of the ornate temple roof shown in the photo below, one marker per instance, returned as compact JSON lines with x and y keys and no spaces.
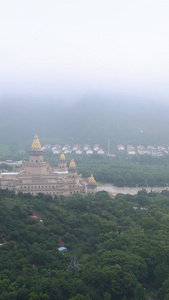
{"x":92,"y":180}
{"x":36,"y":144}
{"x":72,"y":164}
{"x":62,"y":156}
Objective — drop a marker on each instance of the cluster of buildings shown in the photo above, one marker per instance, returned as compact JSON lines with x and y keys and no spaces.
{"x":150,"y":150}
{"x":37,"y":176}
{"x":76,"y":149}
{"x":87,"y":149}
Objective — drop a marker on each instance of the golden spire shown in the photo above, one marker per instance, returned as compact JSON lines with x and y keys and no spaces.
{"x":36,"y":144}
{"x":92,"y":180}
{"x":62,"y":157}
{"x":72,"y":164}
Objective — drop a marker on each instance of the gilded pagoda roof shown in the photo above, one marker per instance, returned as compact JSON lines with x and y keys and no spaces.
{"x":36,"y":144}
{"x":72,"y":164}
{"x":62,"y":157}
{"x":92,"y":180}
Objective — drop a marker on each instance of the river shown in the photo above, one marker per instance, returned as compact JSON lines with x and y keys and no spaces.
{"x":114,"y":190}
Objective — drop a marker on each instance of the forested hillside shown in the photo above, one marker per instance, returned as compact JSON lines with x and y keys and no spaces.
{"x":91,"y":119}
{"x":117,"y":248}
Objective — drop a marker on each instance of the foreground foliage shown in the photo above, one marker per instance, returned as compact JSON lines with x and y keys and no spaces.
{"x":117,"y":248}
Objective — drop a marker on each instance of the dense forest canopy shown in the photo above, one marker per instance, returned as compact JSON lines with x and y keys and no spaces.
{"x":117,"y":248}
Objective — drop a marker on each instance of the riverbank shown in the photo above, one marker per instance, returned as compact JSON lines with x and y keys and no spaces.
{"x":114,"y":190}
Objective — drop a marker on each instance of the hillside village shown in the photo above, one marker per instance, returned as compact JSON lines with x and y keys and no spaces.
{"x":87,"y":149}
{"x":150,"y":150}
{"x":77,"y":149}
{"x":97,"y":149}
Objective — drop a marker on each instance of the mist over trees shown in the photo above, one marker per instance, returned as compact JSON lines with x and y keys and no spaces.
{"x":91,"y":119}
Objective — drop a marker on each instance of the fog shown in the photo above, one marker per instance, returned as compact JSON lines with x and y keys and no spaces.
{"x":84,"y":70}
{"x":71,"y":49}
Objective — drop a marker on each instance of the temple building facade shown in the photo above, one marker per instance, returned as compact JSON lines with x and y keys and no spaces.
{"x":37,"y":176}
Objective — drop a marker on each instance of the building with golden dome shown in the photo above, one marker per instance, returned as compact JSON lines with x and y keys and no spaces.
{"x":37,"y":176}
{"x":92,"y":186}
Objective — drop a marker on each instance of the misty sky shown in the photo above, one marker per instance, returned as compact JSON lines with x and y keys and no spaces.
{"x":82,"y":46}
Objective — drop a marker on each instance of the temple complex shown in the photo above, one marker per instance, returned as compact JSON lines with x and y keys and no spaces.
{"x":37,"y":176}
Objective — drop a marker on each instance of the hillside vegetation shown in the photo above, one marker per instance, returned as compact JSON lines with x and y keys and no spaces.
{"x":89,"y":120}
{"x":142,"y":170}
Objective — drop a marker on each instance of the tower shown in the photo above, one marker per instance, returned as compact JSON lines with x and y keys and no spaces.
{"x":72,"y":168}
{"x":36,"y":165}
{"x":92,"y":186}
{"x":62,"y":166}
{"x":36,"y":154}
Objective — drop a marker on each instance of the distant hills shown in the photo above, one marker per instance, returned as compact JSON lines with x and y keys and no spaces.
{"x":93,"y":120}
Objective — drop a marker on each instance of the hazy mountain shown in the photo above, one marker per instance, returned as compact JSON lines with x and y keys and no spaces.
{"x":92,"y":119}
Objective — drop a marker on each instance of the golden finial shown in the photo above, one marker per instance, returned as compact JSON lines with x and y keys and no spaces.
{"x":92,"y":180}
{"x":72,"y":164}
{"x":36,"y":144}
{"x":62,"y":156}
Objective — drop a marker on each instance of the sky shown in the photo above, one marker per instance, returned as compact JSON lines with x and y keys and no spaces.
{"x":76,"y":47}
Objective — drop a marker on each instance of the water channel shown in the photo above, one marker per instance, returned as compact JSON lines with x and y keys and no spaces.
{"x":114,"y":190}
